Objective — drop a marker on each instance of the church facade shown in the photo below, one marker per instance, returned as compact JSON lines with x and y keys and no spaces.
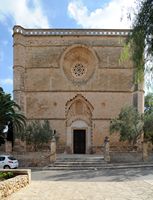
{"x":74,"y":79}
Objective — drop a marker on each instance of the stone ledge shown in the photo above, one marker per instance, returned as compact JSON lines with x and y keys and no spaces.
{"x":21,"y":179}
{"x":73,"y":32}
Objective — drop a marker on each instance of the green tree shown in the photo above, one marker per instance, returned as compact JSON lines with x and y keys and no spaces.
{"x":10,"y":116}
{"x":149,"y":103}
{"x":141,"y":39}
{"x":148,"y":117}
{"x":129,"y":124}
{"x":148,"y":127}
{"x":37,"y":134}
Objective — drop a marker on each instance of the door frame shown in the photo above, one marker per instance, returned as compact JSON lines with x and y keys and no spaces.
{"x":78,"y":124}
{"x":85,"y":133}
{"x":86,"y":138}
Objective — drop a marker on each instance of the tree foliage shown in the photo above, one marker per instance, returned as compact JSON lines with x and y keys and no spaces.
{"x":140,"y":41}
{"x":37,"y":134}
{"x":10,"y":116}
{"x":142,"y":35}
{"x":148,"y":117}
{"x":149,"y":103}
{"x":129,"y":124}
{"x":148,"y":127}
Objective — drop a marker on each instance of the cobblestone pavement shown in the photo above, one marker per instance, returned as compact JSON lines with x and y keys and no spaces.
{"x":140,"y":187}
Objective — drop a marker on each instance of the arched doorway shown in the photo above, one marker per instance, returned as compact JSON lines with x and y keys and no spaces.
{"x":78,"y":125}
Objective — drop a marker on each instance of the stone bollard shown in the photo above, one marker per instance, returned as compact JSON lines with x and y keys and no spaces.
{"x":53,"y":150}
{"x":106,"y":149}
{"x":145,"y":151}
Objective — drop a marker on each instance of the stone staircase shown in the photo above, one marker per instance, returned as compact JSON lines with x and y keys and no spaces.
{"x":78,"y":162}
{"x":89,"y":162}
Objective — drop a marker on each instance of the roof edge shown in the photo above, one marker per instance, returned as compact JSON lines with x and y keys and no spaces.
{"x":70,"y":32}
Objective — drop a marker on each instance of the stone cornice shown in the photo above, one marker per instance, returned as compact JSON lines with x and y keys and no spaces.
{"x":64,"y":118}
{"x":71,"y":32}
{"x":72,"y":91}
{"x":82,"y":91}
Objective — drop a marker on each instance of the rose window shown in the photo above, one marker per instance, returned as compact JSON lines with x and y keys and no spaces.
{"x":79,"y":70}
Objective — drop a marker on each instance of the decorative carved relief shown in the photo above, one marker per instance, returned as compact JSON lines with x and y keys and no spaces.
{"x":78,"y":108}
{"x":79,"y":63}
{"x":78,"y":70}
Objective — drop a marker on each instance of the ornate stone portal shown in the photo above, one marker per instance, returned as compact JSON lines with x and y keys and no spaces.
{"x":74,"y":79}
{"x":78,"y":117}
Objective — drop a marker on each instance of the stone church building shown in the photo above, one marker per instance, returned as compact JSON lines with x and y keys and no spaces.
{"x":74,"y":79}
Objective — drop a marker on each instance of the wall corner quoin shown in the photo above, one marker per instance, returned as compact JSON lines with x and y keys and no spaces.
{"x":18,"y":36}
{"x":138,"y":97}
{"x":19,"y":98}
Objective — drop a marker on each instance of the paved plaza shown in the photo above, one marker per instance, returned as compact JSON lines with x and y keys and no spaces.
{"x":107,"y":184}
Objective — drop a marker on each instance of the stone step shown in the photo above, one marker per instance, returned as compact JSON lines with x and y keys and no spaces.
{"x":75,"y":167}
{"x":79,"y":156}
{"x":78,"y":163}
{"x":104,"y":166}
{"x":80,"y":159}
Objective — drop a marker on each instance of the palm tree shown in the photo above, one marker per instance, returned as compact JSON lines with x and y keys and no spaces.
{"x":10,"y":116}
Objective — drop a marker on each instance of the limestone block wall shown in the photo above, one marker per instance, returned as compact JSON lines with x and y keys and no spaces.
{"x":51,"y":67}
{"x":12,"y":185}
{"x":46,"y":105}
{"x":22,"y":178}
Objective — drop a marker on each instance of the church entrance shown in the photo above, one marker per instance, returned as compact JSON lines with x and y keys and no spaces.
{"x":78,"y":125}
{"x":79,"y":141}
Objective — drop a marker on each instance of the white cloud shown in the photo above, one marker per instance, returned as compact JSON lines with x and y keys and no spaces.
{"x":6,"y":81}
{"x":27,"y":13}
{"x":111,"y":15}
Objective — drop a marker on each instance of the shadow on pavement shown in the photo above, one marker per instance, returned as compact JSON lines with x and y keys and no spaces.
{"x":109,"y":175}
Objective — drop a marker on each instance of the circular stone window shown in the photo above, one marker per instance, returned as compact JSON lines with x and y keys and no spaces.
{"x":79,"y":64}
{"x":78,"y":70}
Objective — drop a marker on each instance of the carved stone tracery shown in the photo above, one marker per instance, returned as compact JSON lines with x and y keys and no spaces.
{"x":79,"y":63}
{"x":78,"y":70}
{"x":78,"y":108}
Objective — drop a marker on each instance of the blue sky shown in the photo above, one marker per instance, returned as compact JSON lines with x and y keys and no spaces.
{"x":55,"y":14}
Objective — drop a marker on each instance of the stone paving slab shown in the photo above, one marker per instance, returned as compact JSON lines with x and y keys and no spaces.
{"x":61,"y":190}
